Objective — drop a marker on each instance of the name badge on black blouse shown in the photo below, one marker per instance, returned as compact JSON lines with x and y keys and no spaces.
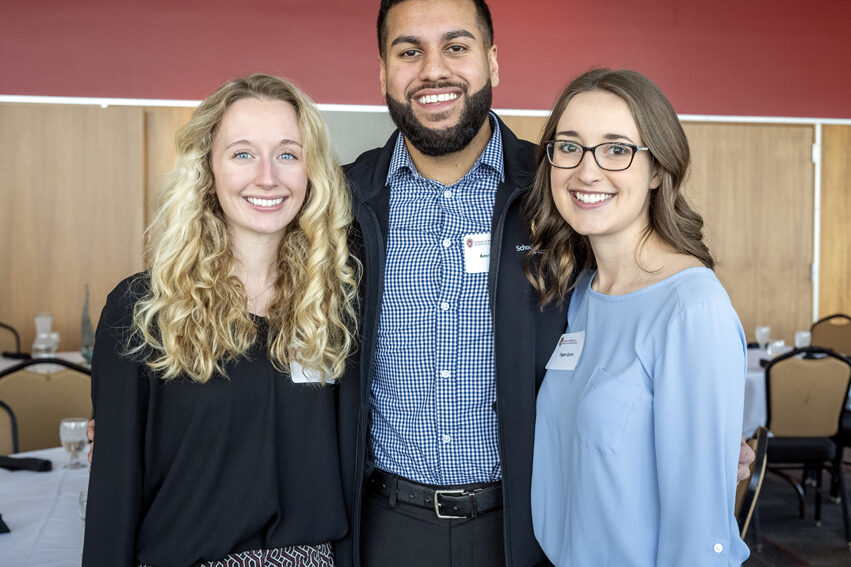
{"x":302,"y":375}
{"x":567,"y":352}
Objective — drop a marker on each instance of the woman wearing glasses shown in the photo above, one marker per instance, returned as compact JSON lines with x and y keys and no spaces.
{"x":639,"y":416}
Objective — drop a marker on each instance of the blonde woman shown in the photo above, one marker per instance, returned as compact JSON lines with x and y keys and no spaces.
{"x":217,"y":426}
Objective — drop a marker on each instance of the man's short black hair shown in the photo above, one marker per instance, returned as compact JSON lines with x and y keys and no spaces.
{"x":482,"y":10}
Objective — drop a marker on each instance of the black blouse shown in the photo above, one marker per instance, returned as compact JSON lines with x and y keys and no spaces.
{"x":185,"y":472}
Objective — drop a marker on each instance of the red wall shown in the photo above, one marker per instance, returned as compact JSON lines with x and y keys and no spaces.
{"x":748,"y":57}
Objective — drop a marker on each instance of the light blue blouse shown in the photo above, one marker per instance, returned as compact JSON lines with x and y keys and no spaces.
{"x":636,"y":449}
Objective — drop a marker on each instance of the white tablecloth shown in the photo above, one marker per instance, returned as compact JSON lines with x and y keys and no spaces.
{"x":756,"y":410}
{"x":43,"y":513}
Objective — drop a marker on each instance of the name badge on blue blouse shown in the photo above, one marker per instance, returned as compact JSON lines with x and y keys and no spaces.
{"x":567,"y":352}
{"x":302,"y":375}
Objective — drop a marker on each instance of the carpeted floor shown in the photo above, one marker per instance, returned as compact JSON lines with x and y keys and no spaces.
{"x":790,"y":541}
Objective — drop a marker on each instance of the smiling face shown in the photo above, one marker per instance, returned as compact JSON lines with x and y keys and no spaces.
{"x":259,"y":173}
{"x":437,"y":73}
{"x":595,"y":202}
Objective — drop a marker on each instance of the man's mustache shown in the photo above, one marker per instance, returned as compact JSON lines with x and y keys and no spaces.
{"x":436,"y":85}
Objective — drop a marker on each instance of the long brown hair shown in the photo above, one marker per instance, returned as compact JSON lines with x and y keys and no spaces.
{"x":557,"y":250}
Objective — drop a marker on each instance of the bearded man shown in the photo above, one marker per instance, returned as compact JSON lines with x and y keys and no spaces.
{"x":454,"y":343}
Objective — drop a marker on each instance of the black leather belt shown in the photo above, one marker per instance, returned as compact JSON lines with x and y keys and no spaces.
{"x":447,"y":502}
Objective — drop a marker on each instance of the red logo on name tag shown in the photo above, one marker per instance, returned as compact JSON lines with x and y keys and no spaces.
{"x":469,"y":243}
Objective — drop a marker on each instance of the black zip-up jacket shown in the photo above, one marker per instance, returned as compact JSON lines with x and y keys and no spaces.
{"x":524,"y":338}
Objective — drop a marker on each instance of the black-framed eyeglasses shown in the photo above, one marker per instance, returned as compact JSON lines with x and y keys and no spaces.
{"x":611,"y":156}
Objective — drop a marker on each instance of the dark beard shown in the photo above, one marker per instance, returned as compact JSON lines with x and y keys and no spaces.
{"x":432,"y":142}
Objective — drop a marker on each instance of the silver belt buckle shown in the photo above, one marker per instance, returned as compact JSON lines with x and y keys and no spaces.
{"x":437,"y":494}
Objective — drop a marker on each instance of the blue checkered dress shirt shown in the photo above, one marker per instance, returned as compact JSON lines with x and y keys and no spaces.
{"x":435,"y":383}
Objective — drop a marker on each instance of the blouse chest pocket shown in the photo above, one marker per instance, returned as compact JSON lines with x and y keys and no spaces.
{"x":604,"y":410}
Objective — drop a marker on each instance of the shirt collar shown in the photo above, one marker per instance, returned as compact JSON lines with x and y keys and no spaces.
{"x":491,"y":157}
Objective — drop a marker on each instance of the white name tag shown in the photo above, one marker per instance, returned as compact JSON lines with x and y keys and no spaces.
{"x":477,"y":253}
{"x":302,"y":375}
{"x":567,"y":352}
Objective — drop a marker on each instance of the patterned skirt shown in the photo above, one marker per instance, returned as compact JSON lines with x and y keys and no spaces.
{"x":294,"y":556}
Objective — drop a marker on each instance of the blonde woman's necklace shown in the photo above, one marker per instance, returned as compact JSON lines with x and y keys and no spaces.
{"x":251,"y":300}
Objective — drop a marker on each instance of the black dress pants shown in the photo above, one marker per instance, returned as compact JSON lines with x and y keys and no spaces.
{"x":409,"y":536}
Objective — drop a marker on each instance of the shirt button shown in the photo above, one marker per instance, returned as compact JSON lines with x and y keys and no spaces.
{"x":447,"y":242}
{"x":445,"y":374}
{"x":446,"y":438}
{"x":444,"y":306}
{"x":718,"y":548}
{"x":447,"y":194}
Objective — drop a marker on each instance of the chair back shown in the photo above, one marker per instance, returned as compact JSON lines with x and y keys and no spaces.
{"x":833,"y":332}
{"x":806,"y":395}
{"x":42,"y":396}
{"x":747,"y":492}
{"x":8,"y":430}
{"x":10,"y":341}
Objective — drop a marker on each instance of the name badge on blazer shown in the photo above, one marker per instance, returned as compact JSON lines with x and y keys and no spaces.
{"x":477,"y":252}
{"x":302,"y":375}
{"x":567,"y":352}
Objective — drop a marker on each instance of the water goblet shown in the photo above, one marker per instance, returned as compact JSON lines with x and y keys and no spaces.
{"x":72,"y":433}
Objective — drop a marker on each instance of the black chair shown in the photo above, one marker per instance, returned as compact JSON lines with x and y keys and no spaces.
{"x":806,"y":397}
{"x":747,"y":493}
{"x":10,"y":342}
{"x":41,"y":397}
{"x":833,"y":332}
{"x":842,"y":440}
{"x":8,"y":430}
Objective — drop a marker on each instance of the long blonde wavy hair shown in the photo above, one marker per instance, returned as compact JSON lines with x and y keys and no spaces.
{"x":193,"y":319}
{"x":557,"y":251}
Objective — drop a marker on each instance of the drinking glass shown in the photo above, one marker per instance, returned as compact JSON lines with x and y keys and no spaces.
{"x":84,"y":499}
{"x":803,"y":339}
{"x":72,"y":433}
{"x":776,"y":347}
{"x":43,"y":322}
{"x":763,"y":336}
{"x":46,"y":342}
